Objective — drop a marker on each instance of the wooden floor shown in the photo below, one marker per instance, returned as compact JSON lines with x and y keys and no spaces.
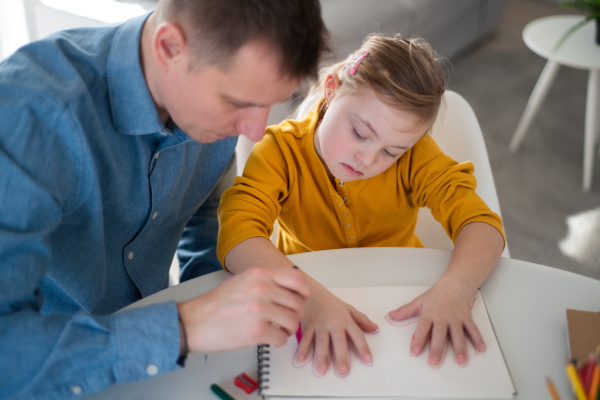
{"x":517,"y":14}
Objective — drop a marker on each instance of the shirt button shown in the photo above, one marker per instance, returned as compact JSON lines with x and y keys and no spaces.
{"x":345,"y":199}
{"x":156,"y":156}
{"x":130,"y":255}
{"x":348,"y":226}
{"x":155,"y":215}
{"x":76,"y":389}
{"x":152,"y":369}
{"x":340,"y":204}
{"x":351,"y":238}
{"x":345,"y":213}
{"x":341,"y":183}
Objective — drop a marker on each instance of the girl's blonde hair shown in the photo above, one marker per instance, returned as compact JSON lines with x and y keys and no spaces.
{"x":405,"y":73}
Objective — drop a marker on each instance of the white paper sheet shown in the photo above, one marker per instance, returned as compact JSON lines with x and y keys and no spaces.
{"x":394,"y":372}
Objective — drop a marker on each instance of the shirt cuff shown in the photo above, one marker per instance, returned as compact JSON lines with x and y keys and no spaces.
{"x":147,"y":341}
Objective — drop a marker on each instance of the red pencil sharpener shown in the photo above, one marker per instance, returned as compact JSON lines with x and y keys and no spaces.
{"x":248,"y":384}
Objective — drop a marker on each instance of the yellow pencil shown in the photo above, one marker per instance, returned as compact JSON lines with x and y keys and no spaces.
{"x":552,"y":389}
{"x":577,"y":386}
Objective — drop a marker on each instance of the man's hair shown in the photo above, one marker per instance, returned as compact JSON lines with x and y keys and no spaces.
{"x":216,"y":29}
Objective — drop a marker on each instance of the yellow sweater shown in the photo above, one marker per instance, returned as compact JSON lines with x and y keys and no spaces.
{"x":285,"y":180}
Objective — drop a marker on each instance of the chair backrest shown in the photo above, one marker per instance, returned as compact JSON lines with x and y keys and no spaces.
{"x":458,"y":134}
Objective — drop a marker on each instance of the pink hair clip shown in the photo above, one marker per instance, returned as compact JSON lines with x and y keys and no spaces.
{"x":357,"y":63}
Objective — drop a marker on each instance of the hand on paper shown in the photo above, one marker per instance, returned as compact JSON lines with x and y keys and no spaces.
{"x":334,"y":327}
{"x":444,"y":315}
{"x":327,"y":322}
{"x":445,"y":309}
{"x":256,"y":306}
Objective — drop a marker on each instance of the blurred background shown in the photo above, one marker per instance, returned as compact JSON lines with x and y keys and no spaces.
{"x":549,"y":219}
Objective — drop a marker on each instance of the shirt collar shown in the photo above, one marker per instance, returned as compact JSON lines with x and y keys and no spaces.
{"x":132,"y":106}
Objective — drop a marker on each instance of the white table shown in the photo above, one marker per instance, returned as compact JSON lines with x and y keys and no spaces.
{"x":526,"y":303}
{"x":578,"y":51}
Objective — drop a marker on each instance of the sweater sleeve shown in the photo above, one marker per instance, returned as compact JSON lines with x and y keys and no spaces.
{"x":250,"y":207}
{"x":446,"y":187}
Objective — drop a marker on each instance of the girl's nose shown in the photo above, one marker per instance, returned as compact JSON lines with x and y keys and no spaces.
{"x":367,"y":157}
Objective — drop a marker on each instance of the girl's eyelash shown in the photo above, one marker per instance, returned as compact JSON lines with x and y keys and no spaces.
{"x":357,"y":135}
{"x":387,"y":153}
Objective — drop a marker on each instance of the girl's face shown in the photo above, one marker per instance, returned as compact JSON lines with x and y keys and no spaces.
{"x":360,"y":136}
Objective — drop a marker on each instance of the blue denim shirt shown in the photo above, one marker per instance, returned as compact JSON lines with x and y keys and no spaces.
{"x":96,"y":194}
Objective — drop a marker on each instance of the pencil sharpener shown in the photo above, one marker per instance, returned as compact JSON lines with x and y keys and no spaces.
{"x":248,"y":384}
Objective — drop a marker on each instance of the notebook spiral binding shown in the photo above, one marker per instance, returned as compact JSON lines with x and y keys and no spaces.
{"x":262,"y":355}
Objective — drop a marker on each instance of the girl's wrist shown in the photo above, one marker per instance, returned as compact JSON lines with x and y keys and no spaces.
{"x":457,"y":284}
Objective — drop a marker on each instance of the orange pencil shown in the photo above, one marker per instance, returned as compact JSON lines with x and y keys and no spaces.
{"x":552,"y":389}
{"x":574,"y":378}
{"x":593,"y":393}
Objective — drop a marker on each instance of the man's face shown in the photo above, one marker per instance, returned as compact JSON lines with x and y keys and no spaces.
{"x":210,"y":104}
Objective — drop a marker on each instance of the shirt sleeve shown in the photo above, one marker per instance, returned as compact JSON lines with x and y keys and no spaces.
{"x":57,"y":355}
{"x":250,"y":207}
{"x":197,"y":247}
{"x":446,"y":187}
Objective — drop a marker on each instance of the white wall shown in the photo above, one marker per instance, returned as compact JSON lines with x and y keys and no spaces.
{"x":25,"y":20}
{"x":13,"y":27}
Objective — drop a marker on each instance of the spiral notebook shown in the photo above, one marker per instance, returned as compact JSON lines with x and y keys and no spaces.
{"x":394,"y":373}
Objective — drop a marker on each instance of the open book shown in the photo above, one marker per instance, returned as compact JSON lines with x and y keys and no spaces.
{"x":393,"y":373}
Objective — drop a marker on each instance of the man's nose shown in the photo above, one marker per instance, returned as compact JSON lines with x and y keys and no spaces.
{"x":253,"y":124}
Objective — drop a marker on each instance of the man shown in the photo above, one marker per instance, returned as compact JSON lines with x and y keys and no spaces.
{"x":116,"y":144}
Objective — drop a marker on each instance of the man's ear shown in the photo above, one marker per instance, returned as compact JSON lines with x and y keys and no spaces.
{"x":170,"y":45}
{"x":332,"y":83}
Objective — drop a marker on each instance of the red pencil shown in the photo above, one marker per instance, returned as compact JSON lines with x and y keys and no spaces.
{"x":588,"y":372}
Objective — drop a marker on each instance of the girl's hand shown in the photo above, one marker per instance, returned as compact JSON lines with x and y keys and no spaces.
{"x":445,"y":311}
{"x":333,"y":326}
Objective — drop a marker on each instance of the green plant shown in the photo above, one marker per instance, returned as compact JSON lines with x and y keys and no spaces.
{"x":591,"y":8}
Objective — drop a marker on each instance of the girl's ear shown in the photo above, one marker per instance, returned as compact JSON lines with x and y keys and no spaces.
{"x":332,"y":83}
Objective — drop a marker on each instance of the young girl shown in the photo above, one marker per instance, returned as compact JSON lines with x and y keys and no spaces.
{"x":354,"y":173}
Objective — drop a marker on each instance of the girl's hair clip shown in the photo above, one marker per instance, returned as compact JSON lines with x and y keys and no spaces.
{"x":357,"y":63}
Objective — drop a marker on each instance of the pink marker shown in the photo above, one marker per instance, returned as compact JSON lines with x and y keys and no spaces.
{"x":299,"y":333}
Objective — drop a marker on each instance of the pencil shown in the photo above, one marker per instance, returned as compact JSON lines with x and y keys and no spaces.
{"x":299,"y":332}
{"x":574,"y":378}
{"x":593,"y":393}
{"x":589,"y":372}
{"x":552,"y":389}
{"x":218,"y":390}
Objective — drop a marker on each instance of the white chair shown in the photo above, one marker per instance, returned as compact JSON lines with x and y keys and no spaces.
{"x":458,"y":134}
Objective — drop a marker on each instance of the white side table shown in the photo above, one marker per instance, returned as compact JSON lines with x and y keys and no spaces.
{"x":578,"y":51}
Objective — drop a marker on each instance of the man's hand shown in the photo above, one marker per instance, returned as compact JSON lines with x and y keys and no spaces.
{"x":256,"y":306}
